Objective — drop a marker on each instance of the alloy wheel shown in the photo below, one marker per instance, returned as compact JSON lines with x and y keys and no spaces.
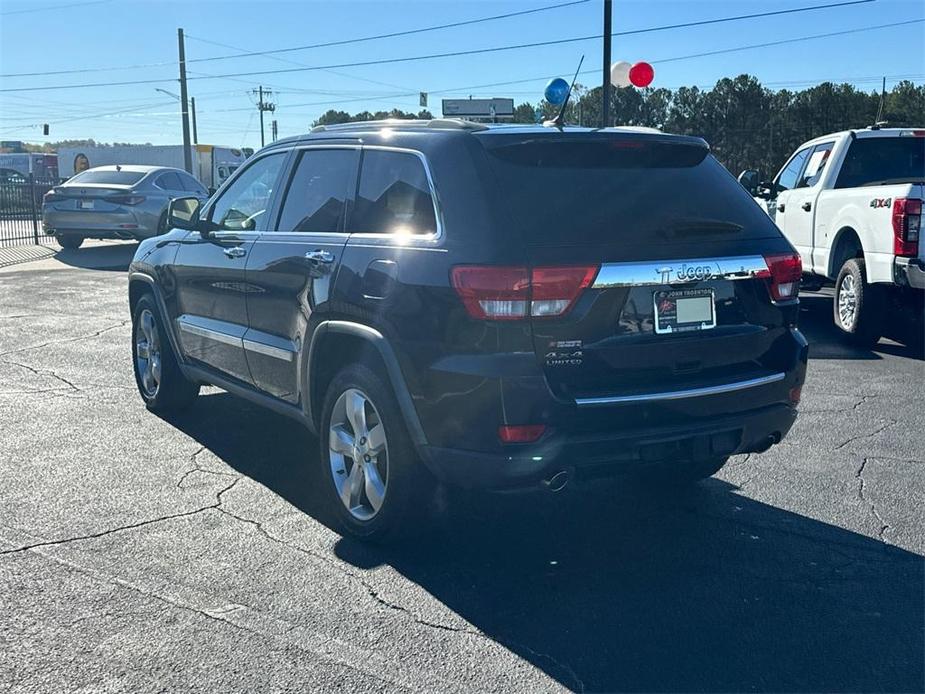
{"x":148,"y":353}
{"x":358,"y":453}
{"x":847,"y":301}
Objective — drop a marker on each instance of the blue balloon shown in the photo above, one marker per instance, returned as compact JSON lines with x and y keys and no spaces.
{"x":556,"y":91}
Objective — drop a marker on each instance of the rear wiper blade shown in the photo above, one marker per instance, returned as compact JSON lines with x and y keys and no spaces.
{"x":705,"y":225}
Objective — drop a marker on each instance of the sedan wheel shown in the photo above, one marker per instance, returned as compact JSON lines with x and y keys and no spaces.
{"x":359,"y":454}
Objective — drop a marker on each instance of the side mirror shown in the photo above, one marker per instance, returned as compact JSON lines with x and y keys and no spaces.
{"x":183,"y":213}
{"x":750,"y":180}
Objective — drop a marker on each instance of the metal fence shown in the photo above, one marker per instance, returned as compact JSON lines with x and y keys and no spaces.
{"x":21,"y":211}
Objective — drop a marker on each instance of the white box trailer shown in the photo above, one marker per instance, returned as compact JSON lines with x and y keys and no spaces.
{"x":211,"y":164}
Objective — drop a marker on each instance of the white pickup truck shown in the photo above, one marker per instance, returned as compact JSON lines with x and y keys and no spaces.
{"x":851,"y":204}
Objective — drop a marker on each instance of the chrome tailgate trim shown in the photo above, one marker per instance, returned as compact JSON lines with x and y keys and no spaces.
{"x":661,"y":272}
{"x":681,"y":394}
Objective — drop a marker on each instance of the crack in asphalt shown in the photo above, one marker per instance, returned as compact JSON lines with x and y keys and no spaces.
{"x":886,"y":426}
{"x":884,"y":526}
{"x":42,"y":372}
{"x":123,"y":528}
{"x":197,"y":468}
{"x":120,"y":324}
{"x":374,"y":594}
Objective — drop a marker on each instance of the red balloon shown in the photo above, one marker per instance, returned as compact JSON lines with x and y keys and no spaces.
{"x":641,"y":74}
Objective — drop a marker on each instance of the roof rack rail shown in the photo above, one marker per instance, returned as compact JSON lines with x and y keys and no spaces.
{"x":436,"y":123}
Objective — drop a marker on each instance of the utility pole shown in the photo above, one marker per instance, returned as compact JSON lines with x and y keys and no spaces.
{"x":184,"y":106}
{"x":192,"y":106}
{"x":263,"y":106}
{"x":273,"y":130}
{"x":605,"y":91}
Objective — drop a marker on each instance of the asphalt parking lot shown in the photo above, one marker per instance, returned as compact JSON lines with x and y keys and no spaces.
{"x":139,"y":554}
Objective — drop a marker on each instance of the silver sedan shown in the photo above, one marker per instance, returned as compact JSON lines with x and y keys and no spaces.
{"x":115,"y":202}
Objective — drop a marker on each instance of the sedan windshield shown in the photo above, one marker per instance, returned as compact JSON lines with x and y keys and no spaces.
{"x":108,"y":177}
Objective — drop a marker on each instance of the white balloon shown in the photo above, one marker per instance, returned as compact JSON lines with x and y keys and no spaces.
{"x":620,"y":74}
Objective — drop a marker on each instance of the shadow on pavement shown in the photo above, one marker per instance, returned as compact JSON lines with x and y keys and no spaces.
{"x":620,"y":588}
{"x":109,"y":256}
{"x":826,"y":341}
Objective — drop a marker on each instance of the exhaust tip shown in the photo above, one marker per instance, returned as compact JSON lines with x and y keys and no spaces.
{"x":558,"y":481}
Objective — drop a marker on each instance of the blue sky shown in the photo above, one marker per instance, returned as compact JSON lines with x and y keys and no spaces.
{"x":47,"y":35}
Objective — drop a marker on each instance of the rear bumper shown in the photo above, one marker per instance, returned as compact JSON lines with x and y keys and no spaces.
{"x":909,"y":272}
{"x":110,"y":225}
{"x":612,"y":453}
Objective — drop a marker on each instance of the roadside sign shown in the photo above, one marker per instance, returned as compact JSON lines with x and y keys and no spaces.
{"x":423,"y":99}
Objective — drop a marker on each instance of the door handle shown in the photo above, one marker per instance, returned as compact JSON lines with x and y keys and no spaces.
{"x":780,"y":207}
{"x":235,"y":252}
{"x":319,"y":256}
{"x":807,"y":206}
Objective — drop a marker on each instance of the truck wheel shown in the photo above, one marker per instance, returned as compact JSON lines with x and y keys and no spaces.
{"x":160,"y":382}
{"x":857,"y":308}
{"x":70,"y":242}
{"x":373,"y":475}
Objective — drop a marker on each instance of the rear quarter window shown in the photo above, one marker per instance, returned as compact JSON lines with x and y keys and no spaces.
{"x":394,"y":195}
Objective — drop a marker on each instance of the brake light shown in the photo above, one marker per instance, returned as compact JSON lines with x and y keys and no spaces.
{"x":514,"y":293}
{"x":907,"y":222}
{"x":126,"y":199}
{"x":784,"y":272}
{"x":527,"y":433}
{"x":51,"y":196}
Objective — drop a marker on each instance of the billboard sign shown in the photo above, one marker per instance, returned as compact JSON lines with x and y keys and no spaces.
{"x":479,"y":109}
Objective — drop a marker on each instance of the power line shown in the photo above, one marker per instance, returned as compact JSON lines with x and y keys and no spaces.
{"x":452,"y":54}
{"x":407,"y":32}
{"x":54,"y":7}
{"x":245,"y":54}
{"x":630,"y":32}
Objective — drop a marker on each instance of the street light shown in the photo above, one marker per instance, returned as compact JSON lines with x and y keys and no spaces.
{"x":192,"y":108}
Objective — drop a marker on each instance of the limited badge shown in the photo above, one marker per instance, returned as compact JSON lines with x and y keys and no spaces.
{"x":564,"y":353}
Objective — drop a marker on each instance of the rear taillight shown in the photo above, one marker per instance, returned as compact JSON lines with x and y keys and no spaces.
{"x":126,"y":199}
{"x":783,"y":275}
{"x":907,"y":222}
{"x":514,"y":293}
{"x":524,"y":433}
{"x":50,"y":197}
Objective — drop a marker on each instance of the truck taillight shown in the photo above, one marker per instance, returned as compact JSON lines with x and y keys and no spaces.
{"x":514,"y":293}
{"x":907,"y":222}
{"x":784,"y":273}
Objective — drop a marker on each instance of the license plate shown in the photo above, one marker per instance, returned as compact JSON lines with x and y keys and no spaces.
{"x":684,"y":310}
{"x":85,"y":204}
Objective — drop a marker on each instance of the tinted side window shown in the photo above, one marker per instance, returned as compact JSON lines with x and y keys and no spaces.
{"x":317,"y":195}
{"x":169,"y":181}
{"x":815,"y":167}
{"x":790,"y":175}
{"x":394,"y":195}
{"x":191,"y":184}
{"x":883,"y":160}
{"x":244,"y":203}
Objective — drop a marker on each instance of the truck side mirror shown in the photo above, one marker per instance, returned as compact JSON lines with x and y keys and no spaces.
{"x":750,"y":180}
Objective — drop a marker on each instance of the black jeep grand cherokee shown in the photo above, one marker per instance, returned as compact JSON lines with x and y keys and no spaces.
{"x":499,"y":306}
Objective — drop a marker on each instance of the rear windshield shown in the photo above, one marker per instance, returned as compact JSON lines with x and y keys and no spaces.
{"x":623,"y":190}
{"x":873,"y":161}
{"x":108,"y":177}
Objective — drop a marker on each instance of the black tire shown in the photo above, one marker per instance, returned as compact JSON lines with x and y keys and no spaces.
{"x":407,"y":480}
{"x":863,"y":325}
{"x":69,"y":241}
{"x":172,"y":391}
{"x":682,"y":474}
